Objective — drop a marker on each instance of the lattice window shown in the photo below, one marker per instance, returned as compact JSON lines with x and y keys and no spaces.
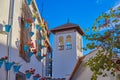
{"x":61,"y":43}
{"x":68,"y":42}
{"x":26,"y":26}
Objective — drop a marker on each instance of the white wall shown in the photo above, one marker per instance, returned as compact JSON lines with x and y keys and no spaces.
{"x":64,"y":60}
{"x":14,"y":50}
{"x":84,"y":72}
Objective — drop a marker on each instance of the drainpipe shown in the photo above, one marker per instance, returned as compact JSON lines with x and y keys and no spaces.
{"x":9,"y":35}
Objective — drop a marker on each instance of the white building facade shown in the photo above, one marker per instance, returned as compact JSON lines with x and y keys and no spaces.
{"x":25,"y":32}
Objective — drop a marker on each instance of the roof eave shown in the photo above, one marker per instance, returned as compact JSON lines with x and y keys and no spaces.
{"x":77,"y":28}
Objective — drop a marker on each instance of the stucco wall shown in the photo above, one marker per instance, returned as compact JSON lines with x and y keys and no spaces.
{"x":84,"y":72}
{"x":15,"y":36}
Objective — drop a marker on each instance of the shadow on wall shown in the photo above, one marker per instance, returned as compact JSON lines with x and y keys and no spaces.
{"x":14,"y":52}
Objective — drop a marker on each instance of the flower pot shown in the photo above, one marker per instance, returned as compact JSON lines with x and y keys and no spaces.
{"x":43,"y":37}
{"x":8,"y":65}
{"x":39,"y":53}
{"x":31,"y":34}
{"x":41,"y":57}
{"x":34,"y":18}
{"x":25,"y":47}
{"x":28,"y":75}
{"x":7,"y":28}
{"x":30,"y":54}
{"x":16,"y":68}
{"x":38,"y":27}
{"x":29,"y":2}
{"x":39,"y":41}
{"x":35,"y":78}
{"x":27,"y":25}
{"x":42,"y":46}
{"x":1,"y":62}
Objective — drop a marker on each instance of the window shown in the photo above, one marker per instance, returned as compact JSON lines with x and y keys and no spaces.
{"x":68,"y":42}
{"x":39,"y":44}
{"x":61,"y":43}
{"x":20,"y":76}
{"x":26,"y":27}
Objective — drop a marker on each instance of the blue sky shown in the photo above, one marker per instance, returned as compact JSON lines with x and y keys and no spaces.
{"x":81,"y":12}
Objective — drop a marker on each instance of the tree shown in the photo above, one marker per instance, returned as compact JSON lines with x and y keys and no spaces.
{"x":105,"y":35}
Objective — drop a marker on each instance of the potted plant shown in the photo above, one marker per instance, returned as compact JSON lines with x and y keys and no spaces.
{"x":31,"y":34}
{"x":39,"y":53}
{"x":43,"y":78}
{"x":7,"y":28}
{"x":34,"y":51}
{"x":34,"y":17}
{"x":38,"y":27}
{"x":30,"y":54}
{"x":39,"y":41}
{"x":2,"y":60}
{"x":46,"y":45}
{"x":30,"y":44}
{"x":29,"y":2}
{"x":44,"y":24}
{"x":27,"y":25}
{"x":28,"y":22}
{"x":42,"y":37}
{"x":44,"y":55}
{"x":8,"y":65}
{"x":36,"y":77}
{"x":42,"y":46}
{"x":25,"y":48}
{"x":16,"y":67}
{"x":30,"y":72}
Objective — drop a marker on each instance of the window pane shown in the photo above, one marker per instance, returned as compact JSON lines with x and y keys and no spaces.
{"x":61,"y":43}
{"x":20,"y":76}
{"x":68,"y":42}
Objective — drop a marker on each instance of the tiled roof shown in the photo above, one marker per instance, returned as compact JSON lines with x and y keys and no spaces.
{"x":68,"y":26}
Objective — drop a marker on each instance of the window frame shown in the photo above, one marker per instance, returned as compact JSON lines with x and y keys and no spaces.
{"x":24,"y":33}
{"x":20,"y":76}
{"x":61,"y":43}
{"x":68,"y":40}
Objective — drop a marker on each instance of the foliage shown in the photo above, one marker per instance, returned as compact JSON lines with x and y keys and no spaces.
{"x":105,"y":36}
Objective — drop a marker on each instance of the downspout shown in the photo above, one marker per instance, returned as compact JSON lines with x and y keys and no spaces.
{"x":9,"y":35}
